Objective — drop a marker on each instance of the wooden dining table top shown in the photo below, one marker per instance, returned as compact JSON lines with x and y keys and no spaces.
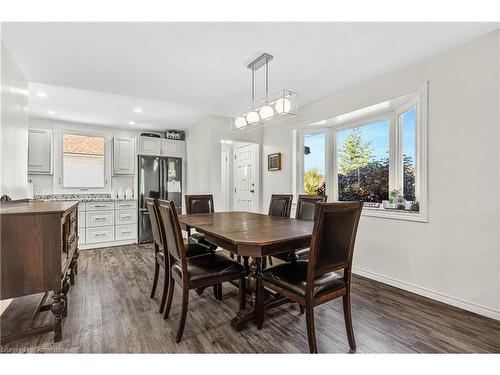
{"x":251,"y":234}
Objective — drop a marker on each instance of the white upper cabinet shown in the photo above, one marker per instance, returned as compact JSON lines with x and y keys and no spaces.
{"x":149,"y":146}
{"x":161,"y":147}
{"x":123,"y":156}
{"x":172,"y":148}
{"x":39,"y":151}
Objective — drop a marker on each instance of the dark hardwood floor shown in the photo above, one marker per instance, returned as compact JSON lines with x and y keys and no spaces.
{"x":111,"y":312}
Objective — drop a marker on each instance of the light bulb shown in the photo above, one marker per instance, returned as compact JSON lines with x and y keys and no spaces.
{"x":240,"y":122}
{"x":266,"y":112}
{"x":283,"y":105}
{"x":252,"y":117}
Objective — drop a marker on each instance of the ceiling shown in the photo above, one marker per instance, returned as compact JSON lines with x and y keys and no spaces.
{"x":177,"y":73}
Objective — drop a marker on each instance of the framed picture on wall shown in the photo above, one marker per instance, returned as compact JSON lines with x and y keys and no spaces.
{"x":274,"y":162}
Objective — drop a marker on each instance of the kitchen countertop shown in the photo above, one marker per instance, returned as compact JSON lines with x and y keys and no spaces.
{"x":82,"y":198}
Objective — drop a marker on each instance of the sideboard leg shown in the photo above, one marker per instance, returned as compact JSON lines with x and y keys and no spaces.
{"x":57,"y":308}
{"x":65,"y":289}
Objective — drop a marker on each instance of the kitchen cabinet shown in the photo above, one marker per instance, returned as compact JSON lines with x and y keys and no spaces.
{"x":123,"y":156}
{"x":39,"y":151}
{"x":172,"y":148}
{"x":161,"y":147}
{"x":149,"y":146}
{"x":107,"y":223}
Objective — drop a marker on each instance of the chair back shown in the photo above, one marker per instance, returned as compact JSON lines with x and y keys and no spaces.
{"x":172,"y":230}
{"x":199,"y":204}
{"x":281,"y":205}
{"x":306,"y":206}
{"x":333,"y":238}
{"x":155,"y":220}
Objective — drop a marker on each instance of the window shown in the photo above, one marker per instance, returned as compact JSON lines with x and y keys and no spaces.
{"x":83,"y":161}
{"x":408,"y":127}
{"x":314,"y":164}
{"x":374,"y":154}
{"x":363,"y":162}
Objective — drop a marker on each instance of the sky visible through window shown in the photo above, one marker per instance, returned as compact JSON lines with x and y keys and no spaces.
{"x":316,"y":157}
{"x":376,"y":133}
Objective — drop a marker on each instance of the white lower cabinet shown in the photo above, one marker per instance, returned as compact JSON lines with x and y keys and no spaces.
{"x":99,"y":218}
{"x":102,"y":223}
{"x":81,"y":236}
{"x":102,"y":234}
{"x":125,"y":232}
{"x":125,"y":217}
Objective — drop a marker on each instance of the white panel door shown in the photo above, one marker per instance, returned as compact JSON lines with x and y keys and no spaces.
{"x":246,"y":178}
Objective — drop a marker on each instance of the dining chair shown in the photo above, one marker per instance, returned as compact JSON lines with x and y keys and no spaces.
{"x":199,"y":204}
{"x":161,"y":258}
{"x":314,"y":282}
{"x":194,"y":272}
{"x":280,"y":205}
{"x":306,"y":207}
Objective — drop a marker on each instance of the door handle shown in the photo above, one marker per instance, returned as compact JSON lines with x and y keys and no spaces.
{"x":252,"y":191}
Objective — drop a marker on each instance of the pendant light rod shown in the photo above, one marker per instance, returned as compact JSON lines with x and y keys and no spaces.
{"x":256,"y":64}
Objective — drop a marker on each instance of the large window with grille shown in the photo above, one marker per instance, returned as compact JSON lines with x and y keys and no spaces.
{"x":83,"y":161}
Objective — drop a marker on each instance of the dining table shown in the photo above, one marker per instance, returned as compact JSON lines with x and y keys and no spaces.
{"x":252,"y":237}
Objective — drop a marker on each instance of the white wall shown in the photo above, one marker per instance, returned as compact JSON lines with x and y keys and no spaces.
{"x":44,"y":184}
{"x":14,"y":124}
{"x":203,"y":150}
{"x":455,"y":257}
{"x":13,"y":133}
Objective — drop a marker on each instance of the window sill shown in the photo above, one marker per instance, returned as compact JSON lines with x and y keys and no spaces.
{"x":394,"y":214}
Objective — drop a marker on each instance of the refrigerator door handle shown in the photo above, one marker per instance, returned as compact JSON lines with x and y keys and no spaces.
{"x":162,"y":195}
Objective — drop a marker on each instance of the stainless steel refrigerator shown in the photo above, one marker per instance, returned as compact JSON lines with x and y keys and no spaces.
{"x":159,"y":177}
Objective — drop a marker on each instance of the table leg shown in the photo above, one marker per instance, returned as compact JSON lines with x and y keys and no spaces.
{"x":244,"y":316}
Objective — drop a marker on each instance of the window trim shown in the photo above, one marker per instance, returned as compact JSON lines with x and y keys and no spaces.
{"x":415,"y":98}
{"x":58,"y":183}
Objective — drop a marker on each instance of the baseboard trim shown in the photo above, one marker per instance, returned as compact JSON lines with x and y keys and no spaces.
{"x":441,"y":297}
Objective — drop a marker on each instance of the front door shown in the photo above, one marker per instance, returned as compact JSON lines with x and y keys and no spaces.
{"x":246,"y":178}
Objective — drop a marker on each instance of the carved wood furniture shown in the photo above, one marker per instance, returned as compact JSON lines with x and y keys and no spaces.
{"x":252,"y":235}
{"x":197,"y":271}
{"x":314,"y":282}
{"x":39,"y":252}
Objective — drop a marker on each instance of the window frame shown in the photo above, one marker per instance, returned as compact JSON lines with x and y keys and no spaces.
{"x":58,"y":181}
{"x":393,"y":114}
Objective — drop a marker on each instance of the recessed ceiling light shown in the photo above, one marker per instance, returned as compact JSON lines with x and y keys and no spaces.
{"x":51,"y":112}
{"x":41,"y":94}
{"x":131,"y":122}
{"x":138,"y":110}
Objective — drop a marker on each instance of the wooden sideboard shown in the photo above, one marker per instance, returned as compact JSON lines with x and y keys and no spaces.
{"x":38,"y":257}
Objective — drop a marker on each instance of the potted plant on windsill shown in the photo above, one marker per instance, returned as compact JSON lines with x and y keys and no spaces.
{"x":391,"y":203}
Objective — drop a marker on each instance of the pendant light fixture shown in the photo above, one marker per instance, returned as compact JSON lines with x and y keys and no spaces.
{"x":279,"y":104}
